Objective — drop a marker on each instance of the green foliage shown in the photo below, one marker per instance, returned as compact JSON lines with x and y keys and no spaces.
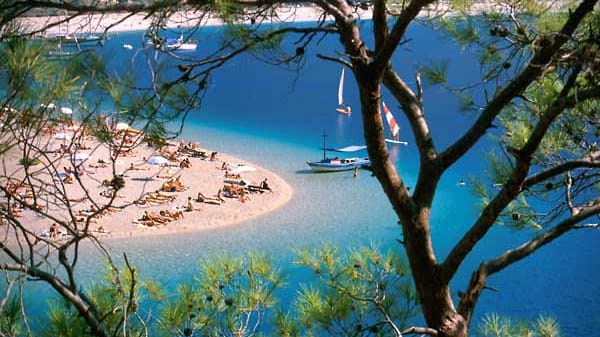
{"x":467,"y":103}
{"x":566,"y":137}
{"x":228,"y":11}
{"x":520,"y":215}
{"x":253,"y":39}
{"x":116,"y":296}
{"x":230,"y":297}
{"x":11,"y":318}
{"x":27,"y":162}
{"x":363,"y":292}
{"x":551,"y":22}
{"x":465,"y":31}
{"x":462,"y":6}
{"x":547,"y":327}
{"x":493,"y":325}
{"x":435,"y":74}
{"x":63,"y":320}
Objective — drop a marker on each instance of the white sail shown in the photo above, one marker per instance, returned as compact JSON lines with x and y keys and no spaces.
{"x":341,"y":90}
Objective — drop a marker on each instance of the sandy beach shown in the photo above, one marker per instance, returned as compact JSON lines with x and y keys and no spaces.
{"x":120,"y":22}
{"x":142,"y":179}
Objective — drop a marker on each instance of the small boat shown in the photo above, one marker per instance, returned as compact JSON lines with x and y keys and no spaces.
{"x":393,"y":125}
{"x":60,"y":52}
{"x":90,"y":38}
{"x":179,"y":44}
{"x":78,"y":39}
{"x":342,"y":108}
{"x":336,"y":164}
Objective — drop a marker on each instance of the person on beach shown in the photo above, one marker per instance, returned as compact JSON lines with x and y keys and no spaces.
{"x":69,"y":178}
{"x":190,"y":205}
{"x":265,"y":185}
{"x":244,"y":196}
{"x":157,"y":218}
{"x":54,"y":230}
{"x":185,"y":163}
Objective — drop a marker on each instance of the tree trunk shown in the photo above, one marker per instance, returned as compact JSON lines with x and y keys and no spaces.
{"x":439,"y":312}
{"x":433,"y":291}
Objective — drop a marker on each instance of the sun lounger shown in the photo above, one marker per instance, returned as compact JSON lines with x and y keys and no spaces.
{"x":255,"y":189}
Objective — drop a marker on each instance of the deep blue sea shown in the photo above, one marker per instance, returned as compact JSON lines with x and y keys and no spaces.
{"x":274,"y":117}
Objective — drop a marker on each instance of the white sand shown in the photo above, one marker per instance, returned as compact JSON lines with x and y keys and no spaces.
{"x":119,"y":22}
{"x":204,"y":176}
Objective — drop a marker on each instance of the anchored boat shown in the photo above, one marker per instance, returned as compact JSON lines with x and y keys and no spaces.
{"x":335,"y":164}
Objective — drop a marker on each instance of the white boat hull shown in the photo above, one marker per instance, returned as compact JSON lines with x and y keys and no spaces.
{"x":183,"y":46}
{"x":329,"y":165}
{"x":344,"y":111}
{"x":396,"y":142}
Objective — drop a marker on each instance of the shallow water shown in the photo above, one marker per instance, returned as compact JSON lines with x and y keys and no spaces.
{"x":273,"y":118}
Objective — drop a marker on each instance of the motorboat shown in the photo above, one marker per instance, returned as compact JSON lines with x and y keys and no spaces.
{"x":179,"y":44}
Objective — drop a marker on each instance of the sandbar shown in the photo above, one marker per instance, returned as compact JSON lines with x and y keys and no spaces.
{"x":142,"y":179}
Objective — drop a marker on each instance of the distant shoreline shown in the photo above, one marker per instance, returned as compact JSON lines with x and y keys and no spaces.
{"x":123,"y":22}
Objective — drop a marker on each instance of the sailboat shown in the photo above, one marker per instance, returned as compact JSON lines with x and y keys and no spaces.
{"x":393,"y":125}
{"x":342,"y":108}
{"x":335,"y":164}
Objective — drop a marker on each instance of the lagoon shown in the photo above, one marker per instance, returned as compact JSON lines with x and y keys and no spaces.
{"x":275,"y":117}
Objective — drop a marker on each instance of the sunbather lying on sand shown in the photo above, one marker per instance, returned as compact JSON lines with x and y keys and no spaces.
{"x":202,"y":198}
{"x":173,"y":186}
{"x":173,"y":215}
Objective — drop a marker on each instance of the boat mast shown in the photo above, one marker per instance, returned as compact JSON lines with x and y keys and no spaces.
{"x":324,"y":142}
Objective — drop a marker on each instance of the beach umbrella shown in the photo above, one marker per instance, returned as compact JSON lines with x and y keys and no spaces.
{"x":62,"y":135}
{"x":122,"y":126}
{"x":81,"y":156}
{"x":66,"y":111}
{"x":243,"y":168}
{"x":157,"y":160}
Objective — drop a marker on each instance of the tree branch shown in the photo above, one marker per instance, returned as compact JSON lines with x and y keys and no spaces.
{"x":413,"y":110}
{"x":479,"y":277}
{"x":419,"y":330}
{"x":515,"y":184}
{"x":535,"y":68}
{"x":380,"y":27}
{"x":590,"y":162}
{"x":408,"y":14}
{"x":83,"y":308}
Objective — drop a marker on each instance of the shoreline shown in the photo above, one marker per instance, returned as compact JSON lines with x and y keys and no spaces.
{"x":123,"y":22}
{"x":142,"y":179}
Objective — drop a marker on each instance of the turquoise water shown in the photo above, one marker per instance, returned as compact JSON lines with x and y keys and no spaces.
{"x":274,"y":117}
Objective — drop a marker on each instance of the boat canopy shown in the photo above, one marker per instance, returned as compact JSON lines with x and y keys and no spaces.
{"x":351,"y":148}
